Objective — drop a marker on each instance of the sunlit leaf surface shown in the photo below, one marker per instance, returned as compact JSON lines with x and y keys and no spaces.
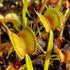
{"x":18,"y":45}
{"x":43,"y":20}
{"x":49,"y":50}
{"x":24,"y":10}
{"x":29,"y":63}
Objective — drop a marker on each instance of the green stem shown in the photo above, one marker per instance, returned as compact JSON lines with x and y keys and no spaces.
{"x":41,"y":48}
{"x":59,"y":4}
{"x":54,"y":55}
{"x":38,"y":30}
{"x":55,"y":59}
{"x":24,"y":10}
{"x":66,"y":15}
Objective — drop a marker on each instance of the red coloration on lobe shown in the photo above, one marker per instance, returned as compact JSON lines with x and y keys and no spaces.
{"x":50,"y":19}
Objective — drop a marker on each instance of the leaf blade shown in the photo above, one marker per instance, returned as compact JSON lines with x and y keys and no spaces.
{"x":44,"y":22}
{"x":49,"y":50}
{"x":24,"y":10}
{"x":29,"y":63}
{"x":19,"y":47}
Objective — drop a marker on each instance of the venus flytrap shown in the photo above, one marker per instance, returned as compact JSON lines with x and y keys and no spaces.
{"x":64,"y":56}
{"x":51,"y":20}
{"x":12,"y":17}
{"x":64,"y":19}
{"x":4,"y":47}
{"x":24,"y":42}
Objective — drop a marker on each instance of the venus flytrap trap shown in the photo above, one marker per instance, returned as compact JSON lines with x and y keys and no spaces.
{"x":64,"y":56}
{"x":12,"y":17}
{"x":64,"y":19}
{"x":5,"y":47}
{"x":24,"y":42}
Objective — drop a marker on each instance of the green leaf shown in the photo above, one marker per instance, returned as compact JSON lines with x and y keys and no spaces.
{"x":24,"y":10}
{"x":43,"y":20}
{"x":49,"y":50}
{"x":12,"y":17}
{"x":28,"y":63}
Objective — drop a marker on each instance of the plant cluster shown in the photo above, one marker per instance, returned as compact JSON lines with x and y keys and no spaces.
{"x":37,"y":23}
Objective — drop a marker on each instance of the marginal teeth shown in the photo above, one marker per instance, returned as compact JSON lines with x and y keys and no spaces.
{"x":38,"y":51}
{"x":29,"y":39}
